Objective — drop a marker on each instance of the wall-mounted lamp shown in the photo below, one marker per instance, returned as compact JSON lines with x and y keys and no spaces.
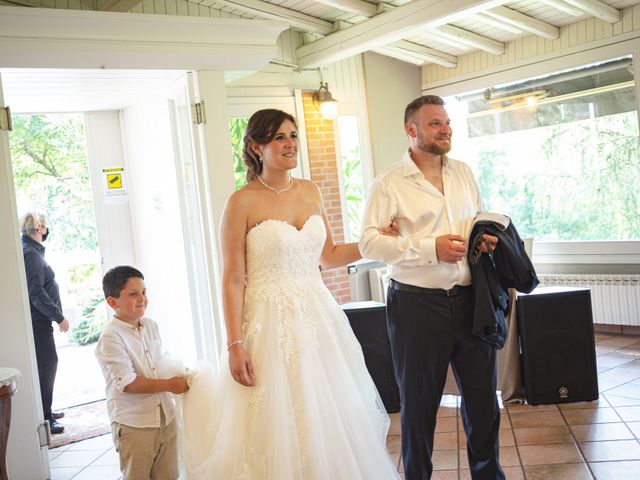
{"x":325,"y":102}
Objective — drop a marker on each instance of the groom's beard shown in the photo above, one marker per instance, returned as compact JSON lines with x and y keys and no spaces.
{"x":435,"y":148}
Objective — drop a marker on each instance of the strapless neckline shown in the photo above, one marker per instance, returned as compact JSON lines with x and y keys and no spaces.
{"x":278,"y":221}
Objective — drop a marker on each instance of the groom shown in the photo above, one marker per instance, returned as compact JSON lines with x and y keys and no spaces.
{"x":433,"y":200}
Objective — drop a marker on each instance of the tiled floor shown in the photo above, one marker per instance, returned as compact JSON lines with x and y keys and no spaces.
{"x":576,"y":441}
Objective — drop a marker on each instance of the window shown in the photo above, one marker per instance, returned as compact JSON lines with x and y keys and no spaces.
{"x":558,"y":153}
{"x":237,"y":126}
{"x":352,"y":175}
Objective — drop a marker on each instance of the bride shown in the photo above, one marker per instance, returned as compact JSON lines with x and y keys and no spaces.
{"x":296,"y":402}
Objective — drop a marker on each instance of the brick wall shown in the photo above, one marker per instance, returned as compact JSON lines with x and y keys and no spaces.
{"x":324,"y":172}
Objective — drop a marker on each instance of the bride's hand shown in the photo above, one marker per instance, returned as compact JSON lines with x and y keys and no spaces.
{"x":391,"y":229}
{"x":240,"y":366}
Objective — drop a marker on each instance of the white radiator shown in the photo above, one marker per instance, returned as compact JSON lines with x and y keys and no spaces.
{"x":615,"y":299}
{"x":379,"y":282}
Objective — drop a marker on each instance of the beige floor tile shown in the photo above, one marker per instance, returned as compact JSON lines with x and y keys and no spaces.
{"x":530,"y":408}
{"x":446,"y":440}
{"x":445,"y":459}
{"x":604,"y":349}
{"x":109,"y":458}
{"x":512,"y":473}
{"x":64,"y":473}
{"x":447,"y":411}
{"x":614,"y":359}
{"x":536,"y":419}
{"x":625,"y":373}
{"x":508,"y":457}
{"x":75,"y":459}
{"x":616,"y":470}
{"x":635,"y":428}
{"x":572,"y":471}
{"x":99,"y":473}
{"x":445,"y":475}
{"x":543,"y":435}
{"x":394,"y":428}
{"x":600,"y":403}
{"x":446,"y":424}
{"x":506,"y":438}
{"x":629,"y":414}
{"x":393,"y":443}
{"x":505,"y":421}
{"x":601,"y":431}
{"x":550,"y":454}
{"x":395,"y":458}
{"x":621,"y":401}
{"x":592,"y":415}
{"x":620,"y":340}
{"x":611,"y":450}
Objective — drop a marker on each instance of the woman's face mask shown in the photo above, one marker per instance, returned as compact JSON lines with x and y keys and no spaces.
{"x":45,"y":235}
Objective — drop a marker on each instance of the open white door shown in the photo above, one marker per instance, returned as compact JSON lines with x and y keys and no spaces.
{"x":187,"y":117}
{"x":26,"y":457}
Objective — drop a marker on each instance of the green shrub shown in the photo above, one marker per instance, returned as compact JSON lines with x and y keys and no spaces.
{"x":93,"y":321}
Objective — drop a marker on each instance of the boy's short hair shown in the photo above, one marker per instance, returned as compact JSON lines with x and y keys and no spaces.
{"x":116,"y":278}
{"x":415,"y":105}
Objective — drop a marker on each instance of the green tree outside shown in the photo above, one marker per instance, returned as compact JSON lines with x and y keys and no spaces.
{"x":51,"y":175}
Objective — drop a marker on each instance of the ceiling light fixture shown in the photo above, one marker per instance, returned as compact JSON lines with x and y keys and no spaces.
{"x":324,"y":101}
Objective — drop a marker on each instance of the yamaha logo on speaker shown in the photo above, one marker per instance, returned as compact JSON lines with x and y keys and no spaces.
{"x":564,"y":392}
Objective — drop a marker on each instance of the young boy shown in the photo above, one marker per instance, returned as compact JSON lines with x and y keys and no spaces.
{"x":141,"y":411}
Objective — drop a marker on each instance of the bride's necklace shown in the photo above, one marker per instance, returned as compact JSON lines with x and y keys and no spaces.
{"x":277,"y":192}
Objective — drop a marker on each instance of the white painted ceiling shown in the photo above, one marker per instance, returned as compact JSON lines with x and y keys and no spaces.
{"x":487,"y":23}
{"x":62,"y":91}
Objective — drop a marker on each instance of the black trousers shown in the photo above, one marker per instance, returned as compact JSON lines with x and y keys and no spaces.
{"x":427,"y":332}
{"x":47,"y":359}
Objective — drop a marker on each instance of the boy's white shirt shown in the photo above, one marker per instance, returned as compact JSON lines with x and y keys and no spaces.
{"x":124,"y":352}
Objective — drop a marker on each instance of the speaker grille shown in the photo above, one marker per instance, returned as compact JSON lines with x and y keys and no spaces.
{"x":558,"y":348}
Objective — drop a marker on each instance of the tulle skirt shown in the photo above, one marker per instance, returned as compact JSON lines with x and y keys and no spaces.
{"x":314,"y":413}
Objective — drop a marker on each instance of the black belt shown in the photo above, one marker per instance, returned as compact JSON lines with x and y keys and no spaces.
{"x":452,"y":292}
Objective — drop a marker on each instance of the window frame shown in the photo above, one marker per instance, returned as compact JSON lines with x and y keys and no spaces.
{"x":562,"y":252}
{"x":366,"y":157}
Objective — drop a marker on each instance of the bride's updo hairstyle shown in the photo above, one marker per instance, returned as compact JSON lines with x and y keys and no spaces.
{"x":261,"y":129}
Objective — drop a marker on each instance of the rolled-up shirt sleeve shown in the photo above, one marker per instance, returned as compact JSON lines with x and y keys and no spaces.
{"x":112,"y":355}
{"x":410,"y":250}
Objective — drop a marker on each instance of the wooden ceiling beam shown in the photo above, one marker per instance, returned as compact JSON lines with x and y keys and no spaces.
{"x":525,"y":22}
{"x":470,"y":39}
{"x":359,"y":7}
{"x":598,"y":9}
{"x":427,"y":54}
{"x":494,"y":22}
{"x":295,"y":19}
{"x":563,"y":7}
{"x":388,"y":27}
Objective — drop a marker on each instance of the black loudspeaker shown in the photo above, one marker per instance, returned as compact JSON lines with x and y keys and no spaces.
{"x":557,"y":344}
{"x":369,"y":323}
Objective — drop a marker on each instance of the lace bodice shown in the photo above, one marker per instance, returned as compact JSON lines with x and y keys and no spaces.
{"x":279,"y":254}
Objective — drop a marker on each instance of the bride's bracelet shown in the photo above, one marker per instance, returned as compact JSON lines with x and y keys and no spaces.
{"x":232,"y":344}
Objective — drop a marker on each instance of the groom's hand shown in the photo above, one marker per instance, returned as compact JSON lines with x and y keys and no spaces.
{"x":450,"y":248}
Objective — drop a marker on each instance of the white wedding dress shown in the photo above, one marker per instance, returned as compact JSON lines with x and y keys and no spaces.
{"x":314,"y":413}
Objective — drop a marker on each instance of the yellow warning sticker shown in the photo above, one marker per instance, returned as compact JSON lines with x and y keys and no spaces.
{"x":114,"y":180}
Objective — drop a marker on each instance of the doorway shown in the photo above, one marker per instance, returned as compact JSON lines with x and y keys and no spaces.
{"x":130,"y":128}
